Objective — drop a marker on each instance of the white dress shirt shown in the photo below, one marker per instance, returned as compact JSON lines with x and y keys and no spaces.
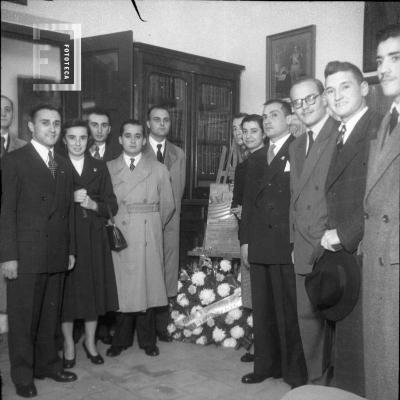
{"x":102,"y":149}
{"x":128,"y":159}
{"x":43,"y":151}
{"x":78,"y":165}
{"x":154,"y":143}
{"x":316,"y":129}
{"x":279,"y":143}
{"x":351,"y":123}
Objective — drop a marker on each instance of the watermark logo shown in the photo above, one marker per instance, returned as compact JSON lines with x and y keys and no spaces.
{"x":70,"y":57}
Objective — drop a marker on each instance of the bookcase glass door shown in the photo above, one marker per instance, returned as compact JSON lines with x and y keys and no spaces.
{"x":213,"y":131}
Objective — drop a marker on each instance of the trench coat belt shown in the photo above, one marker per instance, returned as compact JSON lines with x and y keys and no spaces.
{"x":140,"y":208}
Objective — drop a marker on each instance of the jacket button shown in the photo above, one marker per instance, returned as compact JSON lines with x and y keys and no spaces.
{"x":316,"y":187}
{"x":366,"y":216}
{"x":381,"y":263}
{"x":308,"y":207}
{"x":385,"y":218}
{"x":123,"y":223}
{"x":270,"y":226}
{"x":123,"y":202}
{"x":43,"y":198}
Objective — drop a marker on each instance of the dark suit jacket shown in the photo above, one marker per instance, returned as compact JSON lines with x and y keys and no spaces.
{"x":265,"y":213}
{"x":239,"y":180}
{"x":345,"y":182}
{"x":36,"y":222}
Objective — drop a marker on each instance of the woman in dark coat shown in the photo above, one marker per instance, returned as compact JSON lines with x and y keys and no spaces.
{"x":90,"y":288}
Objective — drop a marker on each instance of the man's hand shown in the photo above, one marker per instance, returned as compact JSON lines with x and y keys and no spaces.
{"x":330,"y":240}
{"x":89,"y":204}
{"x":10,"y":269}
{"x":244,"y":254}
{"x":292,"y":254}
{"x":71,"y":262}
{"x":80,"y":195}
{"x":3,"y":323}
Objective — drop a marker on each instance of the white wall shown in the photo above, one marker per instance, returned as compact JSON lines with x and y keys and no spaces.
{"x":231,"y":31}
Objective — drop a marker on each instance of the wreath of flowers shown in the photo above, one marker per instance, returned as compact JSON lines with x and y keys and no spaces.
{"x":197,"y":313}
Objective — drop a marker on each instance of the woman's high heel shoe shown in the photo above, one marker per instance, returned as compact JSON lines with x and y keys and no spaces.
{"x":68,"y":364}
{"x":94,"y":359}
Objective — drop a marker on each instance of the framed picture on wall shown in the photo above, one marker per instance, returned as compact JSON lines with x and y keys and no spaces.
{"x":29,"y":98}
{"x":377,"y":15}
{"x":290,"y":56}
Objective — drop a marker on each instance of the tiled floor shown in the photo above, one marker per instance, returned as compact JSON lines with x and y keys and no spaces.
{"x":182,"y":371}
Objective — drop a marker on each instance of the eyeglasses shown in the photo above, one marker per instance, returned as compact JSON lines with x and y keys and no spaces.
{"x":309,"y":100}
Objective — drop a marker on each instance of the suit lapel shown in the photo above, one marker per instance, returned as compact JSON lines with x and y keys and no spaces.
{"x":316,"y":153}
{"x":351,"y":148}
{"x":383,"y":152}
{"x":170,"y":155}
{"x":44,"y":174}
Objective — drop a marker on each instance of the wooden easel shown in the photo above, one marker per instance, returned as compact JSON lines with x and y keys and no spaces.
{"x":229,"y":165}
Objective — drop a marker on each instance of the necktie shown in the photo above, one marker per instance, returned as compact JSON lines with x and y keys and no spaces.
{"x":271,"y":153}
{"x":52,"y":164}
{"x":96,"y":153}
{"x":310,"y":141}
{"x":159,"y":154}
{"x":393,"y":120}
{"x":3,"y":147}
{"x":132,"y":166}
{"x":340,"y":138}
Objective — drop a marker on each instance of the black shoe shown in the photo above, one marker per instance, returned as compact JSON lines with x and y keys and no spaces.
{"x":164,"y":337}
{"x":26,"y":390}
{"x":115,"y":351}
{"x":67,"y":364}
{"x":248,"y":357}
{"x":152,"y":351}
{"x":254,"y":378}
{"x":97,"y":359}
{"x":60,"y":376}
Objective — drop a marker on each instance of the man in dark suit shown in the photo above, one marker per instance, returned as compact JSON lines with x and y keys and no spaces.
{"x":100,"y":127}
{"x":380,"y":244}
{"x":266,"y":249}
{"x":310,"y":157}
{"x":173,"y":157}
{"x":36,"y":247}
{"x":345,"y":91}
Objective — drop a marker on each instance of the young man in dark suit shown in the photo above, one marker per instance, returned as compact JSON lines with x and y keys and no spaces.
{"x":310,"y":157}
{"x":37,"y":246}
{"x":345,"y":91}
{"x":266,"y":249}
{"x":173,"y":157}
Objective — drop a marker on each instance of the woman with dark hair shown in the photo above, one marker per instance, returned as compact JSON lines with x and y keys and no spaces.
{"x":90,"y":288}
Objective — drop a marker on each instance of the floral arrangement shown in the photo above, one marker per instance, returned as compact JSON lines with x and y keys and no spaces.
{"x":208,"y":307}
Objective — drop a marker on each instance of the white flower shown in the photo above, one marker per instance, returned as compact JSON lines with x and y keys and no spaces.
{"x":225,"y":265}
{"x":237,"y":332}
{"x":235,"y":314}
{"x":192,"y":289}
{"x":223,"y":289}
{"x":182,"y":300}
{"x":229,"y":320}
{"x":176,"y":335}
{"x":238,"y":290}
{"x":250,"y":320}
{"x":229,"y":342}
{"x":198,"y":330}
{"x":179,"y":286}
{"x":202,"y":340}
{"x":207,"y":296}
{"x":195,"y":310}
{"x":211,"y":322}
{"x":187,"y":332}
{"x":175,"y":314}
{"x":218,"y":335}
{"x":171,"y":328}
{"x":198,"y":278}
{"x":219,"y":277}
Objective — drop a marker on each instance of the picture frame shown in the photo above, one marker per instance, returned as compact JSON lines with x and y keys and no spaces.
{"x":290,"y":56}
{"x":377,"y":15}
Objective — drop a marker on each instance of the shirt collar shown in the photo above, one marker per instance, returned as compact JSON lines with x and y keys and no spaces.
{"x":128,"y":159}
{"x":102,"y":149}
{"x":42,"y":150}
{"x":154,"y":143}
{"x":316,"y":129}
{"x":352,"y":122}
{"x":279,"y":143}
{"x":395,"y":105}
{"x":6,"y":137}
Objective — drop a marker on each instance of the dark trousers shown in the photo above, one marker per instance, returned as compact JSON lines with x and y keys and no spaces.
{"x":162,"y":319}
{"x":277,"y":344}
{"x":125,"y":327}
{"x":33,"y":302}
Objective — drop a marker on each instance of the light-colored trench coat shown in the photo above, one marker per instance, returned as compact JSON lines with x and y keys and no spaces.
{"x":145,"y":205}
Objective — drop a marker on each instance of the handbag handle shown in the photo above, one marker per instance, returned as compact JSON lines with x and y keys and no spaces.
{"x":110,"y":215}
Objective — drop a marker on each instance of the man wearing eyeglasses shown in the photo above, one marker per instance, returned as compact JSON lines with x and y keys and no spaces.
{"x":310,"y":157}
{"x":346,"y":91}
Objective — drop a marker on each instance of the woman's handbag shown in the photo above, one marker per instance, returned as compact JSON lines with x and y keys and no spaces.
{"x":115,"y":236}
